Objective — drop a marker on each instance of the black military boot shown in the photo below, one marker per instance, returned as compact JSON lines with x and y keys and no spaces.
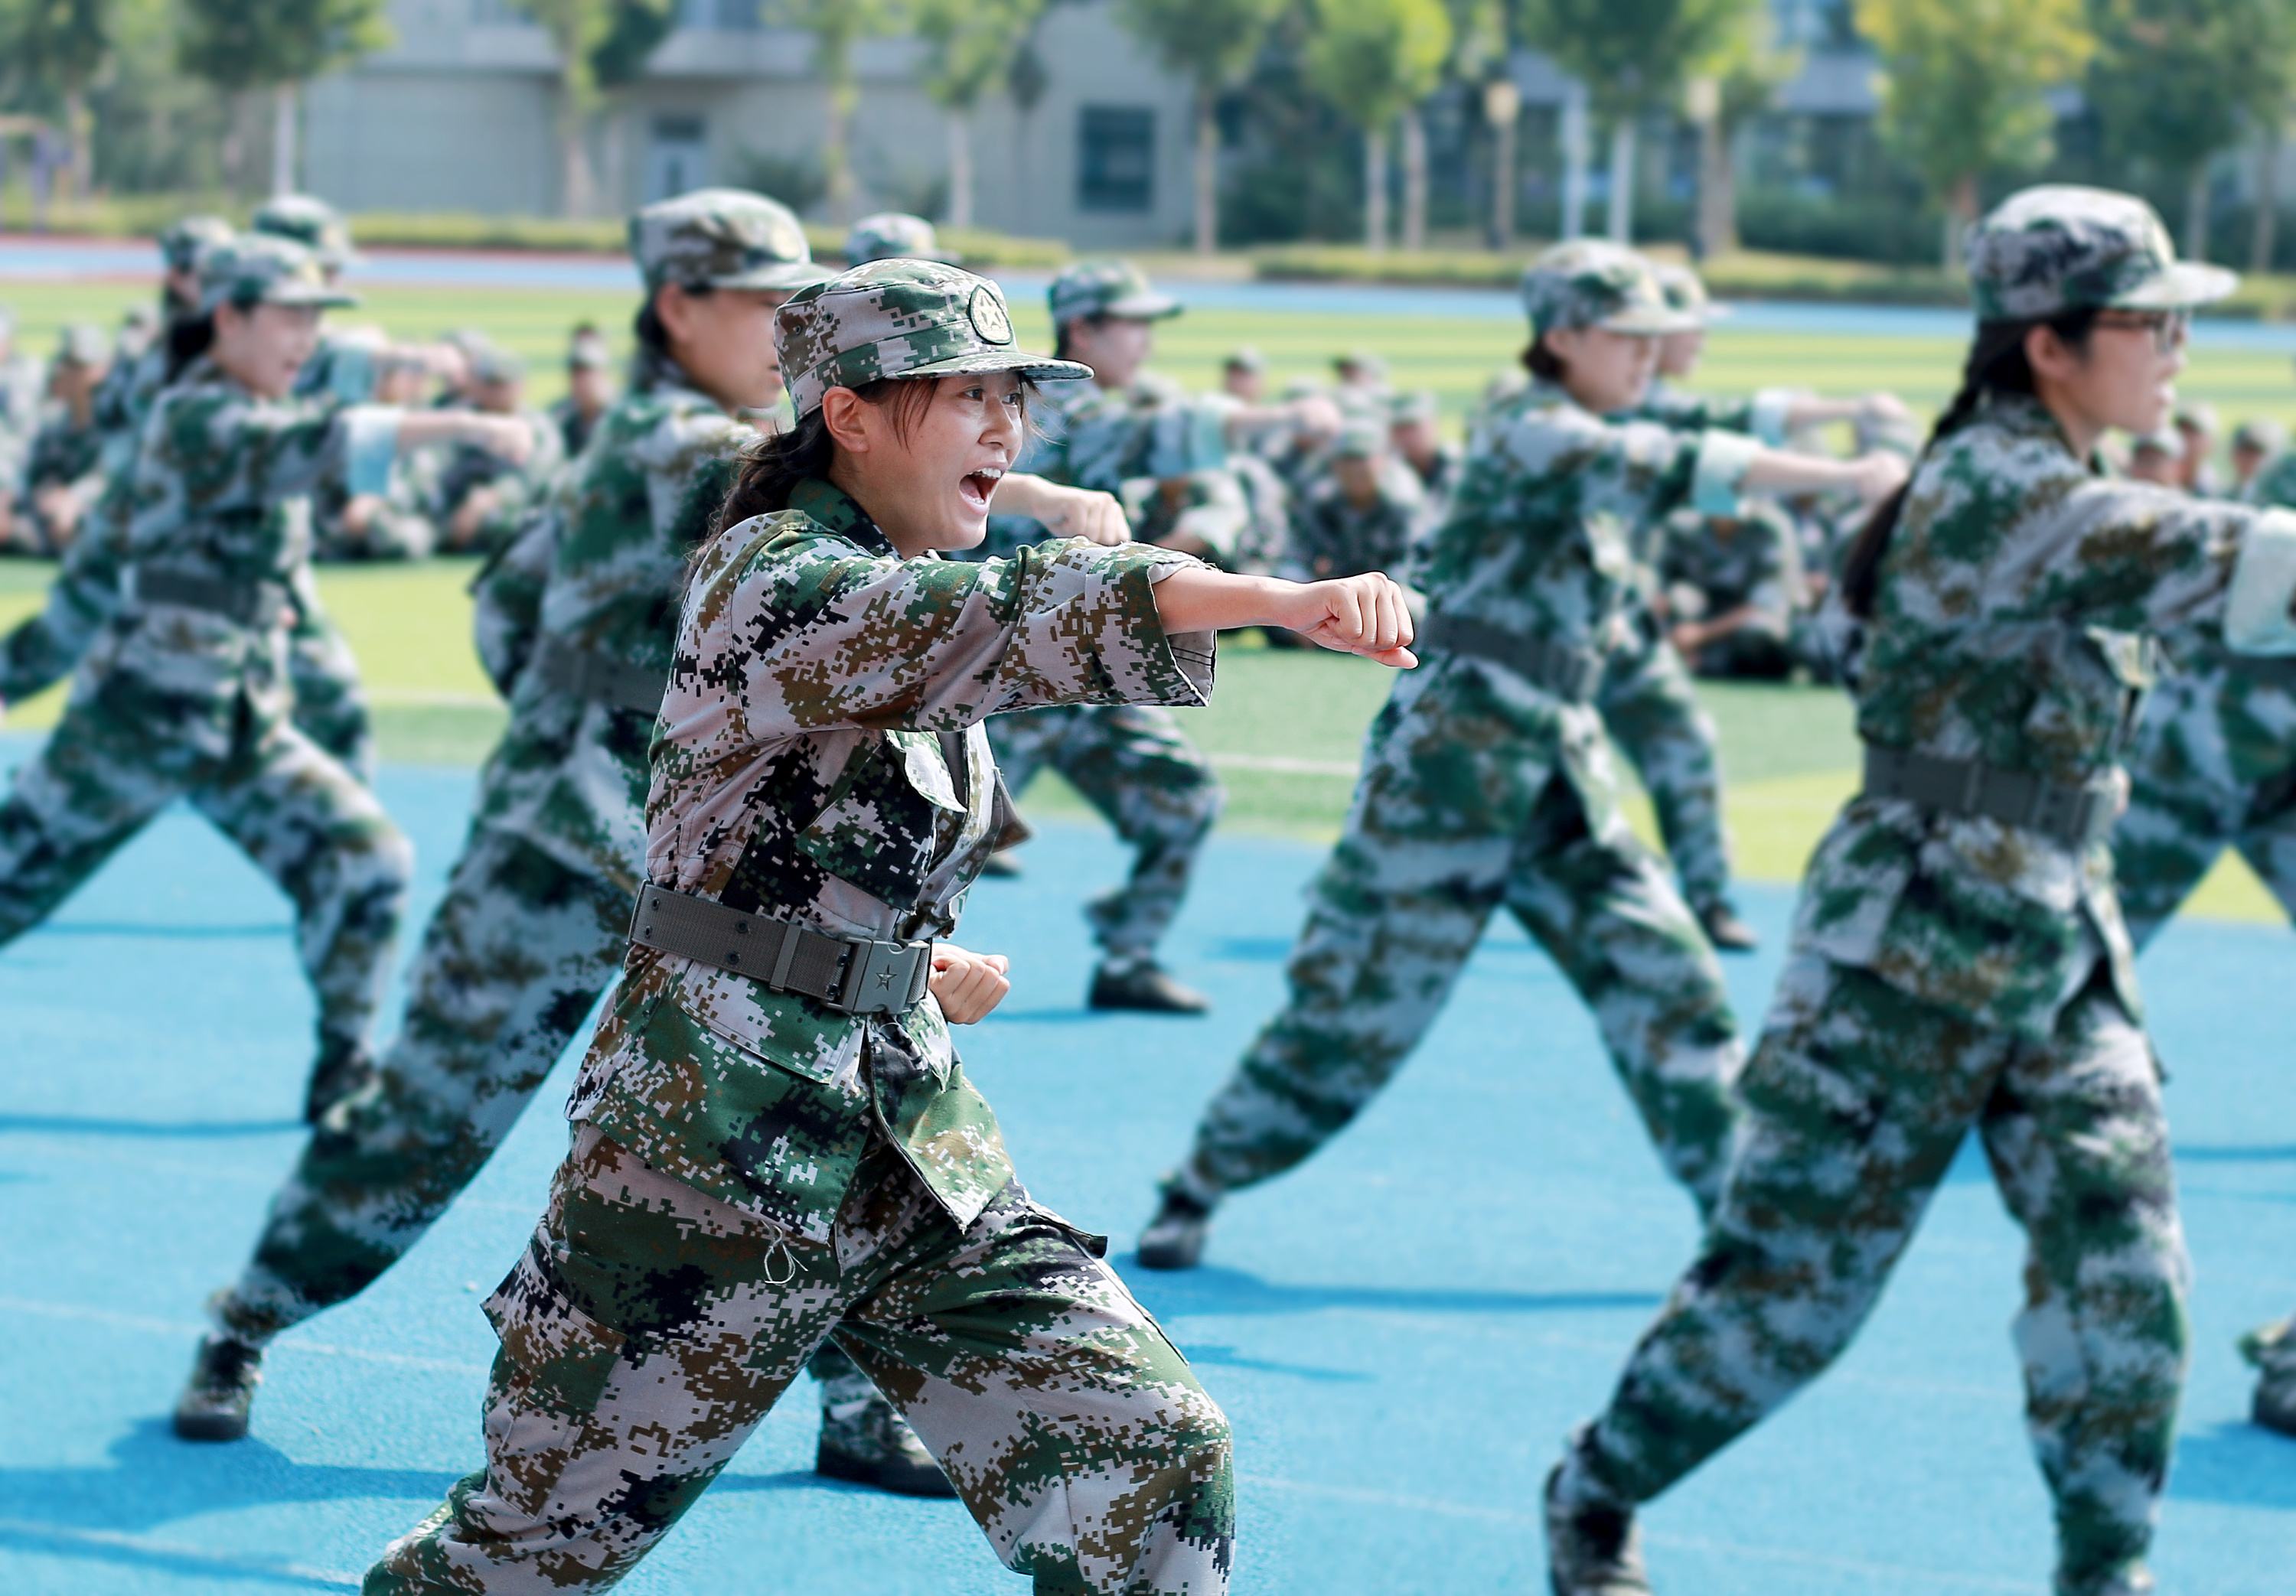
{"x":225,"y":1373}
{"x":1725,"y":930}
{"x":1593,"y":1549}
{"x":2273,"y":1351}
{"x":343,"y":1069}
{"x":1176,"y":1236}
{"x":868,"y":1443}
{"x":1144,"y":987}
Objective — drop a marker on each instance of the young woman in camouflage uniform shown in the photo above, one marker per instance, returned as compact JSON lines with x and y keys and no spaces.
{"x":774,"y":1142}
{"x":185,"y":691}
{"x":1958,"y":960}
{"x":1486,"y":779}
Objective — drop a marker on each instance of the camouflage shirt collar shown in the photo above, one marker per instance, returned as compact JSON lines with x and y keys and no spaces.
{"x":652,"y":371}
{"x":830,"y":507}
{"x":2024,"y":416}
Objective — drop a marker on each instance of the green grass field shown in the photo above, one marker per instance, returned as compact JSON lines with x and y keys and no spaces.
{"x":1285,"y":728}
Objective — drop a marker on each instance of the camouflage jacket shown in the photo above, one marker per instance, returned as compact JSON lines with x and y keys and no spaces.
{"x":1750,"y":558}
{"x":1333,"y":536}
{"x":124,"y":397}
{"x":2016,"y":610}
{"x":462,"y":469}
{"x":63,"y":452}
{"x":1100,"y":438}
{"x":23,"y":393}
{"x":220,"y":493}
{"x":1535,"y":547}
{"x":1237,"y":514}
{"x":821,"y":757}
{"x":1763,"y":416}
{"x":602,"y":568}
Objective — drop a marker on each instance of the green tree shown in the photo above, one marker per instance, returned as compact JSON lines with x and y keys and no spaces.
{"x":1725,"y":95}
{"x":1211,"y":43}
{"x":2175,"y":83}
{"x":600,"y":45}
{"x":974,"y":45}
{"x":1963,"y":88}
{"x":280,"y":45}
{"x":1375,"y":61}
{"x":61,"y":47}
{"x":1481,"y":40}
{"x":1635,"y":57}
{"x":836,"y":25}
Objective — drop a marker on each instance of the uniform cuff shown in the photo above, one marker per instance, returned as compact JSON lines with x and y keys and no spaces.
{"x":1772,"y":408}
{"x":2257,"y":617}
{"x":1723,"y":458}
{"x":370,"y":445}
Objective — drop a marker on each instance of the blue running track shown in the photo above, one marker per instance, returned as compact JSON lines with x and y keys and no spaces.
{"x":1402,"y":1332}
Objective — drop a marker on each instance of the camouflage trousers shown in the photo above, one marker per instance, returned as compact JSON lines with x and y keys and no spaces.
{"x":1652,"y":712}
{"x":510,"y":966}
{"x":306,"y":820}
{"x":331,"y":703}
{"x":1375,"y":963}
{"x":2213,"y":766}
{"x":1133,"y":764}
{"x":648,"y":1329}
{"x":1855,"y":1102}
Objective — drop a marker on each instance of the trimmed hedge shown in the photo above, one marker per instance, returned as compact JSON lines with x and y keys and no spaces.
{"x":144,"y":215}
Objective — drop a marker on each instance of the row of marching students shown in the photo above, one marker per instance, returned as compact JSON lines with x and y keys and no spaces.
{"x":775,"y":1150}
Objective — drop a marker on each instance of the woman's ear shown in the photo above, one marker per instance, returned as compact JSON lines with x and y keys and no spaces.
{"x":2047,"y":354}
{"x":845,"y":413}
{"x":674,"y":309}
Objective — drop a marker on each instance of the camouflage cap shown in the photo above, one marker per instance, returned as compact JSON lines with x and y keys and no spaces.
{"x":2264,"y":437}
{"x":312,"y":223}
{"x":181,"y":244}
{"x":900,"y":318}
{"x":722,"y":238}
{"x":83,"y":343}
{"x":1366,"y":361}
{"x":892,"y":235}
{"x":262,"y":269}
{"x":1413,"y":404}
{"x":2196,"y":416}
{"x":1244,"y":358}
{"x":1589,"y":283}
{"x":2166,"y":440}
{"x":1115,"y":288}
{"x":587,"y":350}
{"x":1686,"y":291}
{"x":489,"y":362}
{"x":2060,"y":247}
{"x":1360,"y":441}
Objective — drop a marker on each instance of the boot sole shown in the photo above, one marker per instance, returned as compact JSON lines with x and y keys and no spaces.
{"x":899,"y":1479}
{"x":210,"y":1427}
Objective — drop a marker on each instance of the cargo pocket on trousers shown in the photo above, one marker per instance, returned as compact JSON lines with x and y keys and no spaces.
{"x":1789,"y":1087}
{"x":553,"y":1367}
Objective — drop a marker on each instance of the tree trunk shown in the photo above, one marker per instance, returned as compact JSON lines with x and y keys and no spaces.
{"x":836,"y":147}
{"x":574,"y":183}
{"x":1375,"y":189}
{"x":2196,"y":213}
{"x":1960,"y":213}
{"x":1718,"y":191}
{"x":1500,"y":228}
{"x":1415,"y":179}
{"x":285,"y":152}
{"x":1206,"y":171}
{"x":1621,"y":227}
{"x":79,"y":127}
{"x":2260,"y":238}
{"x":960,"y":165}
{"x":1575,"y":136}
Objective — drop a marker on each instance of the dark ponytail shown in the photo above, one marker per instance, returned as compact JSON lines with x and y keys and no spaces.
{"x":188,"y":337}
{"x":1997,"y":364}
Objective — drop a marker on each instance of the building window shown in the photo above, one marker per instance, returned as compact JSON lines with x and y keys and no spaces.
{"x":678,"y":156}
{"x":1116,"y":158}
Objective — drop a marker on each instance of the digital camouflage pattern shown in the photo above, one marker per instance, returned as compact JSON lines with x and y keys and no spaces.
{"x":1712,"y":566}
{"x":259,"y":269}
{"x":891,"y":234}
{"x":1237,"y":513}
{"x":648,"y":1329}
{"x":1482,"y":788}
{"x":901,"y":318}
{"x":1111,"y":288}
{"x":1591,"y":282}
{"x":1650,"y":706}
{"x":304,"y":219}
{"x":175,"y":702}
{"x":1336,"y":535}
{"x":2059,"y":247}
{"x":464,"y":469}
{"x":1954,"y":972}
{"x":821,"y":758}
{"x":721,"y":238}
{"x":534,"y":923}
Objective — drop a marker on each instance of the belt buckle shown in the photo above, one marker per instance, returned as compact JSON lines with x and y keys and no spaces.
{"x":877,"y":976}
